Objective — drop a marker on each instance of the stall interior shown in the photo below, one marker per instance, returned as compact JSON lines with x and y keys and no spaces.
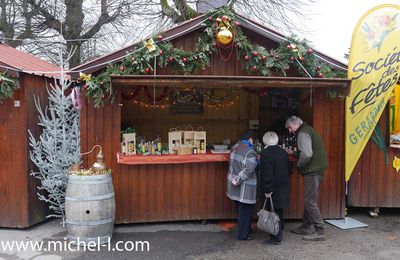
{"x":156,"y":119}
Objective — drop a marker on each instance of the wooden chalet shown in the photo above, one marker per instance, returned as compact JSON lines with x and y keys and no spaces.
{"x":20,"y":206}
{"x":152,"y":190}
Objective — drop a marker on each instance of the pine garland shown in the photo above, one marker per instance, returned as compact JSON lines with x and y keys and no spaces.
{"x":255,"y":60}
{"x":7,"y":86}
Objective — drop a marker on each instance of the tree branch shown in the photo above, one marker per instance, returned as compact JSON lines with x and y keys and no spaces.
{"x":103,"y":19}
{"x":51,"y":21}
{"x":185,"y":10}
{"x":170,"y":12}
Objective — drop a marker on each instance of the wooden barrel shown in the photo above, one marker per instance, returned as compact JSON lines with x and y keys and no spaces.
{"x":90,"y":208}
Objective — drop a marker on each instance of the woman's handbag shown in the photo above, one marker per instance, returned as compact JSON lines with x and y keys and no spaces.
{"x":268,"y":221}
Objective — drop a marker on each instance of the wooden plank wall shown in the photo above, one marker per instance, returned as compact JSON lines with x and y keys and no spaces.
{"x":327,"y":119}
{"x":13,"y":170}
{"x":373,"y":183}
{"x":20,"y":206}
{"x":35,"y":86}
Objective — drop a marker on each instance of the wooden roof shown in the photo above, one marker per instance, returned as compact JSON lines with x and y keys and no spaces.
{"x":186,"y":28}
{"x":14,"y":61}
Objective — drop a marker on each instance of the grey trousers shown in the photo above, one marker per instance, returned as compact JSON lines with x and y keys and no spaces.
{"x":312,"y":215}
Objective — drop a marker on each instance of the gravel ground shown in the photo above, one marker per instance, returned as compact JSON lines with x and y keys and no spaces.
{"x":380,"y":240}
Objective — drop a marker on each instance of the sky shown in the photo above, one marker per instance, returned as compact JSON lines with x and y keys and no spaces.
{"x":332,"y":24}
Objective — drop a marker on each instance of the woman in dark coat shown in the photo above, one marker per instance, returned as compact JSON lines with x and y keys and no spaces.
{"x":275,"y":178}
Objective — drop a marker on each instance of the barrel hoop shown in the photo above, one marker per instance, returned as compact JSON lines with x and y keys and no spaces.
{"x":101,"y":181}
{"x":90,"y":198}
{"x":90,"y":177}
{"x":90,"y":223}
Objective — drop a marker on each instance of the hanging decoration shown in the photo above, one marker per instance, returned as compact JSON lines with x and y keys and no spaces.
{"x":187,"y":96}
{"x":131,"y":95}
{"x":152,"y":98}
{"x":225,"y":34}
{"x":225,"y":97}
{"x":255,"y":59}
{"x":7,"y":86}
{"x":224,"y":30}
{"x":225,"y":104}
{"x":214,"y":99}
{"x":76,"y":98}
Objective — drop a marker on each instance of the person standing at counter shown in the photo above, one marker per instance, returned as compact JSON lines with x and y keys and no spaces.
{"x":275,"y":179}
{"x":312,"y":162}
{"x":242,"y":182}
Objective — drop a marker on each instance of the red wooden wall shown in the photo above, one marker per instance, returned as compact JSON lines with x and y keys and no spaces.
{"x":20,"y":206}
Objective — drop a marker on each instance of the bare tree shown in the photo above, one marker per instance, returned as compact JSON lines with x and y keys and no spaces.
{"x":70,"y":19}
{"x":282,"y":14}
{"x":97,"y":26}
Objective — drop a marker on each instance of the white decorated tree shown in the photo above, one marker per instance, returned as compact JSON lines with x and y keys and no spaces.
{"x":58,"y":147}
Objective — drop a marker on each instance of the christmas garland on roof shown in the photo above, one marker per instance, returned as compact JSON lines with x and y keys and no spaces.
{"x":255,"y":59}
{"x":7,"y":86}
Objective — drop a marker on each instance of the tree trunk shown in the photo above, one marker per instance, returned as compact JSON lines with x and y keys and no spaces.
{"x":73,"y":29}
{"x":76,"y":57}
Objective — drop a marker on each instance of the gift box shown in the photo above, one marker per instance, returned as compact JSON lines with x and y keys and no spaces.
{"x":200,"y":139}
{"x":188,"y":136}
{"x":174,"y":140}
{"x":129,"y":141}
{"x":185,"y":149}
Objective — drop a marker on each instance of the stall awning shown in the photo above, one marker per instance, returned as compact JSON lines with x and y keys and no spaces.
{"x":210,"y":81}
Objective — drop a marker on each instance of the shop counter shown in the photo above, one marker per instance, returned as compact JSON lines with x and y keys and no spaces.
{"x":172,"y":158}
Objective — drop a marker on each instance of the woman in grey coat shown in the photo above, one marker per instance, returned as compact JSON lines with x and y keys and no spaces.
{"x":242,"y":182}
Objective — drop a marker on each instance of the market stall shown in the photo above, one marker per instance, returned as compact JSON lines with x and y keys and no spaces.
{"x":161,"y":174}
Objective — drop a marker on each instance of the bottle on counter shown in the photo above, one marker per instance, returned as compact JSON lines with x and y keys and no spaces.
{"x":143,"y":147}
{"x":123,"y":147}
{"x":159,"y":144}
{"x":194,"y":150}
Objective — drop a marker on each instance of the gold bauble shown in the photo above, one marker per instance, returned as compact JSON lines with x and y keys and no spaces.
{"x":224,"y":36}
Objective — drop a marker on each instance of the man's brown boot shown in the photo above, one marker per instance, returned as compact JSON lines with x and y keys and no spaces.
{"x":304,"y":230}
{"x":318,"y":235}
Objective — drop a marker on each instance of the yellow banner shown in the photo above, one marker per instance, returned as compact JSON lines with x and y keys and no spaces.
{"x":394,"y":111}
{"x":374,"y":66}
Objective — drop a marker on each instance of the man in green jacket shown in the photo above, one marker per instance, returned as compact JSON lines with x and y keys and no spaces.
{"x":312,"y":162}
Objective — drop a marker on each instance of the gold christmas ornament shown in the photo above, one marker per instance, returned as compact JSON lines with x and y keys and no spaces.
{"x":224,"y":36}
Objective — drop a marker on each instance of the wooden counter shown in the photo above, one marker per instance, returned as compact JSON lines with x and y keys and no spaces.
{"x":172,"y":158}
{"x":169,"y":192}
